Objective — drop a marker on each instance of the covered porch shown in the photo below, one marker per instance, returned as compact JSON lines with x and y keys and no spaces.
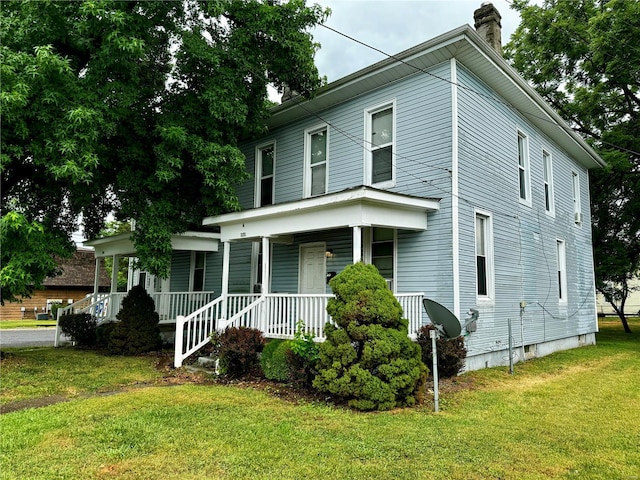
{"x":295,"y":236}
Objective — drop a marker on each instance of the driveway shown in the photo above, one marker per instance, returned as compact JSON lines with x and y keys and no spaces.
{"x":27,"y":337}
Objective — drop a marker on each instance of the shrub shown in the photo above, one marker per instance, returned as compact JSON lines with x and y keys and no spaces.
{"x":367,"y":357}
{"x":451,"y":352}
{"x":80,"y":327}
{"x":237,"y":349}
{"x":274,"y":360}
{"x":138,"y":330}
{"x":103,"y":334}
{"x":302,"y":356}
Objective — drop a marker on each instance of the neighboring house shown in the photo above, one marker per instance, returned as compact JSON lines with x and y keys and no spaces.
{"x":631,"y":306}
{"x":442,"y":167}
{"x":75,"y":283}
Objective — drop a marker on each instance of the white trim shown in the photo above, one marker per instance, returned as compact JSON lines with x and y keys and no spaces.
{"x":192,"y":269}
{"x":526,"y":167}
{"x":357,"y":244}
{"x":489,"y":298}
{"x":577,"y":203}
{"x":266,"y":265}
{"x":368,"y":152}
{"x":455,"y":206}
{"x":258,"y":173}
{"x":547,"y":163}
{"x":122,"y":244}
{"x":307,"y":174}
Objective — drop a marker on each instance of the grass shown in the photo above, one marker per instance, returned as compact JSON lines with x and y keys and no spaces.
{"x":9,"y":324}
{"x":570,"y":415}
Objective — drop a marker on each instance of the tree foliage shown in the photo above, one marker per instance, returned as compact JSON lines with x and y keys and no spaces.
{"x":583,"y":58}
{"x":368,"y":358}
{"x":137,"y":108}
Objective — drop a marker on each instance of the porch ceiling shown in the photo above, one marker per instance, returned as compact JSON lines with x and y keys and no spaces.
{"x":122,"y":245}
{"x":362,"y":207}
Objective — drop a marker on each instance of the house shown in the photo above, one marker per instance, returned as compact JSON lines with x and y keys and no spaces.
{"x":76,"y":281}
{"x":442,"y":167}
{"x":632,"y":303}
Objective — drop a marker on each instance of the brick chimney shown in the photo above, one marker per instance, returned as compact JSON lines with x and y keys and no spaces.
{"x":487,"y":24}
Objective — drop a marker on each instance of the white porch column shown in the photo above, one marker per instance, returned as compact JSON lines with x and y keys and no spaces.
{"x":357,"y":244}
{"x":266,"y":266}
{"x":226,"y":250}
{"x":114,"y":273}
{"x":96,"y":280}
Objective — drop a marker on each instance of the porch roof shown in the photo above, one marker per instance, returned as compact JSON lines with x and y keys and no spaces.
{"x":121,"y":244}
{"x":356,"y":207}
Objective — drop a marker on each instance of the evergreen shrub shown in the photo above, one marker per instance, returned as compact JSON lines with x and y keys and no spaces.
{"x":237,"y":349}
{"x":274,"y":360}
{"x":138,"y":330}
{"x":451,"y":352}
{"x":80,"y":327}
{"x":368,"y":358}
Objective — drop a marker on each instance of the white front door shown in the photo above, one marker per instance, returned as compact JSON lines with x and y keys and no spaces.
{"x":313,"y":269}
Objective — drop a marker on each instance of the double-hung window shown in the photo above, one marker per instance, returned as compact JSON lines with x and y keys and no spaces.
{"x":265,"y":167}
{"x":524,"y":173}
{"x":577,"y":207}
{"x":316,"y":161}
{"x":484,"y":257}
{"x":561,"y":261}
{"x":198,"y":265}
{"x":383,"y":252}
{"x":380,"y":145}
{"x":547,"y":167}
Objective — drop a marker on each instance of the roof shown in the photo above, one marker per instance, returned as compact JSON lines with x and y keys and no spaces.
{"x":121,"y":244}
{"x":467,"y":47}
{"x":78,"y":271}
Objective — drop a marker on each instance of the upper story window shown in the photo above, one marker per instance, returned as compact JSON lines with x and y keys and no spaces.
{"x":484,"y":257}
{"x":561,"y":260}
{"x":316,"y":161}
{"x":524,"y":173}
{"x":577,"y":207}
{"x":547,"y":166}
{"x":198,"y":265}
{"x":265,"y":167}
{"x":380,"y":146}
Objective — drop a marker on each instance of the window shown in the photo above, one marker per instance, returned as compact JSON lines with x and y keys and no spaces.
{"x":198,"y":262}
{"x":316,"y":157}
{"x":380,"y":145}
{"x":484,"y":257}
{"x":577,"y":207}
{"x":383,"y":252}
{"x":561,"y":259}
{"x":524,"y":176}
{"x":265,"y":165}
{"x":548,"y":182}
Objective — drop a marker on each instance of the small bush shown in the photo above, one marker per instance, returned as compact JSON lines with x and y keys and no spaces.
{"x":451,"y":353}
{"x":138,"y":330}
{"x":302,"y":356}
{"x":237,"y":349}
{"x":274,"y":360}
{"x":80,"y":327}
{"x":103,"y":334}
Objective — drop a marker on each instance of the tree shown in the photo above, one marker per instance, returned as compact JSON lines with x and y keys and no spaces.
{"x":583,"y":58}
{"x":137,"y":108}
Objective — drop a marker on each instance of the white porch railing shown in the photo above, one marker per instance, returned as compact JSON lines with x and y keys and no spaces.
{"x":276,"y":315}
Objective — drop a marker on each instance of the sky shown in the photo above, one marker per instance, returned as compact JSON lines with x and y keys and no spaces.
{"x":391,"y":26}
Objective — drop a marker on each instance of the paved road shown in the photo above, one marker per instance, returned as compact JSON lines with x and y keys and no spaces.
{"x":27,"y":337}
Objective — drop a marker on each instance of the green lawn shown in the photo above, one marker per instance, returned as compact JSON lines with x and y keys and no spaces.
{"x":574,"y":414}
{"x":7,"y":324}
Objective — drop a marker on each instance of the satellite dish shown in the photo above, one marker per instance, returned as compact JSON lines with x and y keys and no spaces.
{"x":443,"y":318}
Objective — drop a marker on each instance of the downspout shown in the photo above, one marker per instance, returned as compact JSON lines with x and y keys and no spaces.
{"x":455,"y":213}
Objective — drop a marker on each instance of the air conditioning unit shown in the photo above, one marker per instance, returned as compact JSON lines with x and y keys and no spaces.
{"x":578,"y":217}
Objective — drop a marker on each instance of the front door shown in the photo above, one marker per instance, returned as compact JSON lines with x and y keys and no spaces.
{"x":313,"y":269}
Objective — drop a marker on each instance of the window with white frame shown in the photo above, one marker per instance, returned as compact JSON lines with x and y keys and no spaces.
{"x":316,"y":161}
{"x":380,"y":145}
{"x":577,"y":207}
{"x":547,"y":166}
{"x":265,"y":166}
{"x":561,"y":260}
{"x":383,"y":252}
{"x":524,"y":174}
{"x":484,"y":256}
{"x":198,"y":265}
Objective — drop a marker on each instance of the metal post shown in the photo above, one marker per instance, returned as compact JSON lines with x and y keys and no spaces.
{"x":510,"y":348}
{"x":436,"y":405}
